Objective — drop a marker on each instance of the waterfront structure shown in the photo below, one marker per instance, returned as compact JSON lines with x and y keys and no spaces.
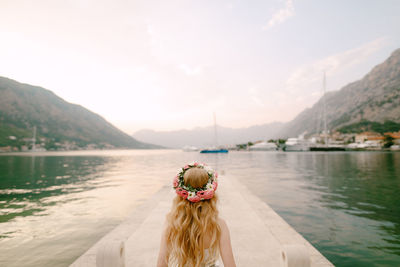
{"x":259,"y":235}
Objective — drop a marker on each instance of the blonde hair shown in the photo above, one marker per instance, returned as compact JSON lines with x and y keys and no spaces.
{"x":188,"y":223}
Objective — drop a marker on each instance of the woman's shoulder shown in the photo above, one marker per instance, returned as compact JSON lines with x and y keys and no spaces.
{"x":222,"y":223}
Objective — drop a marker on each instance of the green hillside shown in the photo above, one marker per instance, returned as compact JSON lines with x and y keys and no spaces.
{"x":370,"y":126}
{"x":59,"y":124}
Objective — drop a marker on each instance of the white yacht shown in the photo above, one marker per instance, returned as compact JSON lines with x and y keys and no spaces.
{"x":297,"y":144}
{"x":263,"y":146}
{"x":395,"y":147}
{"x":190,"y":149}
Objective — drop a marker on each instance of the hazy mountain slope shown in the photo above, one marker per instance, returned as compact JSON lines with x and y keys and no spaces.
{"x":204,"y":137}
{"x":376,"y":97}
{"x":23,"y":106}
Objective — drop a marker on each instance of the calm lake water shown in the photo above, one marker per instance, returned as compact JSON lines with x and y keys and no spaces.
{"x":54,"y":206}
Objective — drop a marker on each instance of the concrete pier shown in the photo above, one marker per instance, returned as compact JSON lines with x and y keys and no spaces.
{"x":258,"y":233}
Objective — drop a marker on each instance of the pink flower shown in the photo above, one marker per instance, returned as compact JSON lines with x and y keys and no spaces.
{"x":182,"y":192}
{"x":215,"y":185}
{"x":216,"y":174}
{"x":176,"y":181}
{"x":194,"y":199}
{"x":186,"y":167}
{"x":195,"y":164}
{"x":208,"y":194}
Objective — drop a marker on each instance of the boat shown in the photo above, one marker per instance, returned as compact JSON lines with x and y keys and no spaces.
{"x":297,"y":144}
{"x":190,"y":149}
{"x":215,"y":149}
{"x":395,"y":147}
{"x":222,"y":150}
{"x":34,"y":147}
{"x":326,"y":146}
{"x":263,"y":146}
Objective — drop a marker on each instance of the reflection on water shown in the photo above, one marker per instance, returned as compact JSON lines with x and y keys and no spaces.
{"x":345,"y":204}
{"x":54,"y":206}
{"x":29,"y":184}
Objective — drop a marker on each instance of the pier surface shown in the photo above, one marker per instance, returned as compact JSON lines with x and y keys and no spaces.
{"x":257,"y":232}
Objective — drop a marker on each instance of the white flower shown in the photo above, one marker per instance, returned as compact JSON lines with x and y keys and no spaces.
{"x":191,"y":194}
{"x":209,"y":186}
{"x":207,"y":168}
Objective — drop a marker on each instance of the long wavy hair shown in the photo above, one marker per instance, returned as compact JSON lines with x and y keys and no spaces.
{"x":188,"y":223}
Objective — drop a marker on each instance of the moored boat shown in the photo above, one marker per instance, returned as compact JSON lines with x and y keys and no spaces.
{"x":297,"y":144}
{"x":264,"y":146}
{"x":222,"y":150}
{"x":215,"y":149}
{"x":190,"y":149}
{"x":327,"y":148}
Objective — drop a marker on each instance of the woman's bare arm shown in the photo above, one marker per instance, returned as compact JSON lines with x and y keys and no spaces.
{"x":162,"y":255}
{"x":225,"y":246}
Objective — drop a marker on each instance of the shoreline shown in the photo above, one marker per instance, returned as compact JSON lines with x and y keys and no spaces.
{"x":103,"y":151}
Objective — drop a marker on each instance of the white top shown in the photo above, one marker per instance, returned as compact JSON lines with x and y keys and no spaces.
{"x":205,"y":264}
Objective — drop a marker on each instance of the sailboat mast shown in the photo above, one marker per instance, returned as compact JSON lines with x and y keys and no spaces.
{"x":34,"y":138}
{"x":215,"y":130}
{"x":324,"y":103}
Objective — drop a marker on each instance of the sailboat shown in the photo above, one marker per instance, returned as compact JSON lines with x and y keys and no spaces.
{"x":326,"y":146}
{"x":220,"y":150}
{"x":34,"y":148}
{"x":216,"y":149}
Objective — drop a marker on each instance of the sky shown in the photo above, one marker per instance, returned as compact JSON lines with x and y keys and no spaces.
{"x":169,"y":65}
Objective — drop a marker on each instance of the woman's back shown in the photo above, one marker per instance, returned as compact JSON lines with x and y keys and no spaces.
{"x":194,"y":234}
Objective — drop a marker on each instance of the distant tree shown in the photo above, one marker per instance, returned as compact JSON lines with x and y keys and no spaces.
{"x":250,"y":143}
{"x":388,"y":141}
{"x":241,"y":146}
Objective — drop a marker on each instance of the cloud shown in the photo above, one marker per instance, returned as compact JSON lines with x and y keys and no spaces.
{"x":281,"y":15}
{"x":308,"y":76}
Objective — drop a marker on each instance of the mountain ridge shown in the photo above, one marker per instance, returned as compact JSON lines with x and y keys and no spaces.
{"x":23,"y":106}
{"x":375,"y":97}
{"x":205,"y":137}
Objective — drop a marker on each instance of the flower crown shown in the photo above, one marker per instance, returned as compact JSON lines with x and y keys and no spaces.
{"x":196,"y":194}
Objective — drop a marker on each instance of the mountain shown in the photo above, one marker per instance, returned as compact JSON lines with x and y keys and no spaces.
{"x":372,"y":103}
{"x":373,"y":99}
{"x":205,"y":137}
{"x":59,"y":124}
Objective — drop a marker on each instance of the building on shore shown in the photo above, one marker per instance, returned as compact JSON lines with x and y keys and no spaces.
{"x":395,"y":136}
{"x":366,"y":136}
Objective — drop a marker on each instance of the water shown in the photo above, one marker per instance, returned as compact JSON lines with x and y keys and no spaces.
{"x":54,"y":206}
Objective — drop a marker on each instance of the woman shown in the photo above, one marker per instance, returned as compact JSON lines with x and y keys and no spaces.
{"x":194,"y":235}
